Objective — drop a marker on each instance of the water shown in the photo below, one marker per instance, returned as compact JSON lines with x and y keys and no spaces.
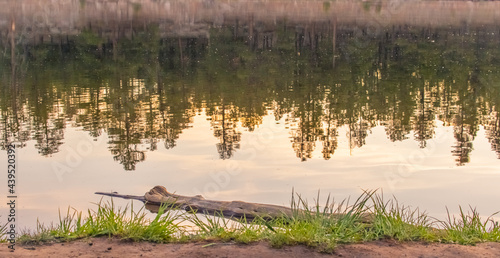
{"x":236,"y":102}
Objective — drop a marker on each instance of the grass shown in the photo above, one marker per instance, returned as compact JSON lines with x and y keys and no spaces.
{"x":110,"y":221}
{"x":323,"y":227}
{"x":399,"y":222}
{"x":469,"y":229}
{"x":3,"y":233}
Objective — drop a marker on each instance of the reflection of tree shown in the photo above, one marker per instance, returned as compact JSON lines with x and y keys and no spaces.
{"x":303,"y":140}
{"x":250,"y":120}
{"x":358,"y":131}
{"x":359,"y":119}
{"x":48,"y":119}
{"x":423,"y":119}
{"x":48,"y":137}
{"x":396,"y":129}
{"x":123,"y":143}
{"x":329,"y":139}
{"x":308,"y":112}
{"x":13,"y":127}
{"x":397,"y":118}
{"x":176,"y":113}
{"x":493,"y":132}
{"x":465,"y":124}
{"x":172,"y":125}
{"x":331,"y":121}
{"x":223,"y":122}
{"x":126,"y":130}
{"x":151,"y":134}
{"x":93,"y":119}
{"x":465,"y":136}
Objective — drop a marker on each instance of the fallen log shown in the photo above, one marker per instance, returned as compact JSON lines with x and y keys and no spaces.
{"x":238,"y":210}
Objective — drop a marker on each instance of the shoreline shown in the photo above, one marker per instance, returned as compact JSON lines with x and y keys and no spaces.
{"x":105,"y":247}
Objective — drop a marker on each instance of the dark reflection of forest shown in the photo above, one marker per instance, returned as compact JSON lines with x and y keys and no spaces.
{"x":144,"y":90}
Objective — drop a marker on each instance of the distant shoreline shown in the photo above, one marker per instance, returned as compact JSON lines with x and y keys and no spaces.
{"x":69,"y":17}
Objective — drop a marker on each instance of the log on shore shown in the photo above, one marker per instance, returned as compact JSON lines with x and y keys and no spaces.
{"x":231,"y":209}
{"x":158,"y":195}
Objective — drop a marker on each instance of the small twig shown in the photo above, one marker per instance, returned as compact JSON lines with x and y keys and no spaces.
{"x":124,"y":196}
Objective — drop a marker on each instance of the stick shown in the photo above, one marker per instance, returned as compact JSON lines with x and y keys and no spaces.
{"x":124,"y":196}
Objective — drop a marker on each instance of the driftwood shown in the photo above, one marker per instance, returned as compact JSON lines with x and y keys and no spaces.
{"x":198,"y":204}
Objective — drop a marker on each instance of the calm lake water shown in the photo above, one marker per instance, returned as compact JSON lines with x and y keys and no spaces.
{"x":249,"y":100}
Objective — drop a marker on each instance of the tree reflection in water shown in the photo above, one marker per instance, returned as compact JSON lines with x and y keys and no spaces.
{"x":147,"y":88}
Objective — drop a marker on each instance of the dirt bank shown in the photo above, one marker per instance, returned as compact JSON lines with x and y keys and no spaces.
{"x":103,"y":247}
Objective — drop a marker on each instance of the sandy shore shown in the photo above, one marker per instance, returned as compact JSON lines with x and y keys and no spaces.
{"x":104,"y":247}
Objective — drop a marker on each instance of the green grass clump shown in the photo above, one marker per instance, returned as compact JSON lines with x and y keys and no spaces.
{"x":319,"y":227}
{"x":42,"y":235}
{"x":220,"y":228}
{"x":112,"y":222}
{"x":469,"y":229}
{"x":399,"y":222}
{"x":323,"y":227}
